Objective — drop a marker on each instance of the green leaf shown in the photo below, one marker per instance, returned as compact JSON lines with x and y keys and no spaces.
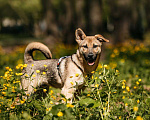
{"x":86,"y":101}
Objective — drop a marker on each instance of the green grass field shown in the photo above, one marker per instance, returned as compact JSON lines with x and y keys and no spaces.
{"x":119,"y":89}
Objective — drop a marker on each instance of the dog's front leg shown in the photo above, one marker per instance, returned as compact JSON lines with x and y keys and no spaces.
{"x":68,"y":92}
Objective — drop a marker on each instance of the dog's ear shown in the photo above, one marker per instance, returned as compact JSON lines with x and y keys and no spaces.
{"x":80,"y":35}
{"x":101,"y":38}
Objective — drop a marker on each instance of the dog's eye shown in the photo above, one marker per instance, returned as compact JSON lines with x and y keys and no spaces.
{"x":95,"y":46}
{"x":85,"y":46}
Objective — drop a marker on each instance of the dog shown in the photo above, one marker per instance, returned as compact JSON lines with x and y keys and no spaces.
{"x":63,"y":73}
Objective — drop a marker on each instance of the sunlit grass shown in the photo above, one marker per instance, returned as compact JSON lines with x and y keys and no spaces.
{"x":118,"y":89}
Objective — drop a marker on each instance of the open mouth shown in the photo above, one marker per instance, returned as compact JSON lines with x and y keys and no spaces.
{"x":91,"y":62}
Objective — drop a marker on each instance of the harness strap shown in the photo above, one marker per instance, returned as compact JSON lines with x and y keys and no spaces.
{"x":58,"y":65}
{"x":79,"y":67}
{"x":76,"y":64}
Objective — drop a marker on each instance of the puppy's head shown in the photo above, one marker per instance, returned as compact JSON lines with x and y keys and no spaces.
{"x":89,"y":46}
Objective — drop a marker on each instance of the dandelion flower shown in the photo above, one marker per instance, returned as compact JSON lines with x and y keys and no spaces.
{"x":127,"y":88}
{"x":137,"y":83}
{"x":123,"y":97}
{"x":92,"y":71}
{"x":134,"y":87}
{"x":123,"y":87}
{"x":25,"y":65}
{"x":105,"y":66}
{"x":69,"y":105}
{"x":44,"y":73}
{"x":126,"y":104}
{"x":37,"y":71}
{"x":64,"y":99}
{"x":135,"y":109}
{"x":51,"y":102}
{"x":45,"y":65}
{"x":71,"y":83}
{"x":12,"y":106}
{"x":59,"y":114}
{"x":35,"y":90}
{"x":44,"y":90}
{"x":140,"y":80}
{"x":33,"y":75}
{"x":139,"y":118}
{"x":138,"y":101}
{"x":77,"y":75}
{"x":7,"y":68}
{"x":96,"y":85}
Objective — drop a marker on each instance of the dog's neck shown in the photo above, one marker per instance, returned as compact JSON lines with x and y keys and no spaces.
{"x":81,"y":63}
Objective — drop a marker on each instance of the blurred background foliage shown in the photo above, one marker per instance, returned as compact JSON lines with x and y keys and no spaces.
{"x":56,"y":20}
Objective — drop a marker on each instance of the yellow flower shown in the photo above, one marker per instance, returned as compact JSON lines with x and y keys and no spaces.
{"x":104,"y":108}
{"x":138,"y":101}
{"x":134,"y":87}
{"x":44,"y":90}
{"x":137,"y":83}
{"x":126,"y":104}
{"x":35,"y":90}
{"x":51,"y":92}
{"x":17,"y":67}
{"x":63,"y":99}
{"x":139,"y":118}
{"x":123,"y":87}
{"x":96,"y":85}
{"x":7,"y":68}
{"x":105,"y":66}
{"x":92,"y":71}
{"x":88,"y":94}
{"x":92,"y":77}
{"x":22,"y":101}
{"x":71,"y":83}
{"x":77,"y":75}
{"x":127,"y":88}
{"x":117,"y":70}
{"x":12,"y":106}
{"x":33,"y":75}
{"x":140,"y":80}
{"x":45,"y":65}
{"x":26,"y":75}
{"x":44,"y":73}
{"x":51,"y":102}
{"x":136,"y":76}
{"x":4,"y":93}
{"x":37,"y":71}
{"x":123,"y":97}
{"x":10,"y":69}
{"x":32,"y":65}
{"x":124,"y":91}
{"x":135,"y":109}
{"x":69,"y":105}
{"x":119,"y":117}
{"x":25,"y":65}
{"x":19,"y":74}
{"x":48,"y":109}
{"x":59,"y":114}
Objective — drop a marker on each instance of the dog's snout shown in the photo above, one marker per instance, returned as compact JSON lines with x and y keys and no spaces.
{"x":90,"y":55}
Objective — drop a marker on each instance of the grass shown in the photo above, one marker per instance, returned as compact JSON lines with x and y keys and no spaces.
{"x":119,"y":88}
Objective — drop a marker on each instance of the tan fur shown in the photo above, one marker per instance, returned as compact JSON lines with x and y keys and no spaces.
{"x":72,"y":70}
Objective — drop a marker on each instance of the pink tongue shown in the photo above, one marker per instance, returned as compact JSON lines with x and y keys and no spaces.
{"x":91,"y":63}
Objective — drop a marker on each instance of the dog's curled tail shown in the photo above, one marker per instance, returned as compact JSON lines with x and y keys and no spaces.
{"x":28,"y":56}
